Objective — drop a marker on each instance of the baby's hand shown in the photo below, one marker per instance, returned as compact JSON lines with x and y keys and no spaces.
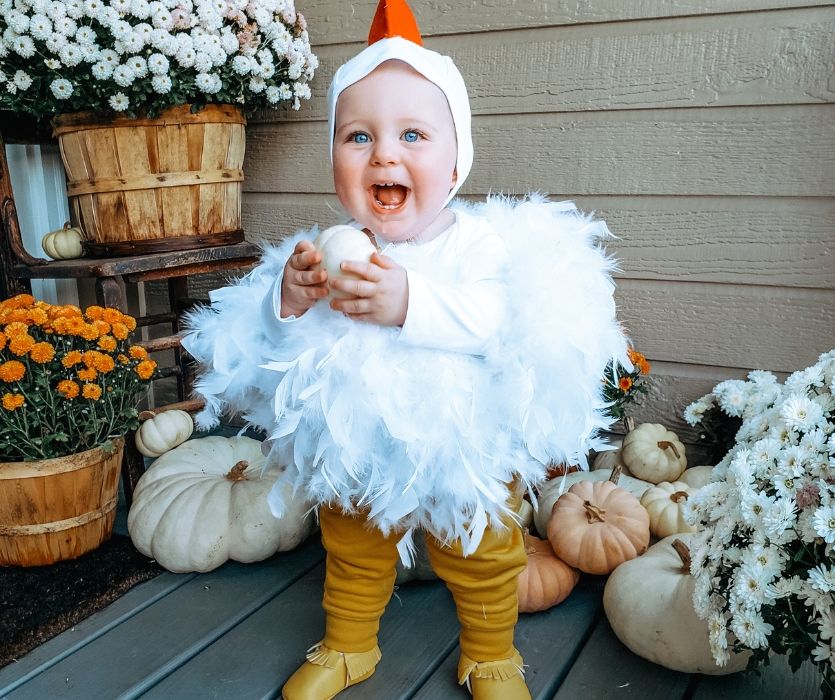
{"x":381,"y":296}
{"x":302,"y":286}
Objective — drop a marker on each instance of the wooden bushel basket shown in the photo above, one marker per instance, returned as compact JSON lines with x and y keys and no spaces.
{"x":155,"y":185}
{"x":56,"y":509}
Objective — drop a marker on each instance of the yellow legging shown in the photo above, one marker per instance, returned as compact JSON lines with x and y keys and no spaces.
{"x":360,"y":574}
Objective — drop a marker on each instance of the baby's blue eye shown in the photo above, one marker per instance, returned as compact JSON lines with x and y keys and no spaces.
{"x":411,"y":136}
{"x":359,"y":137}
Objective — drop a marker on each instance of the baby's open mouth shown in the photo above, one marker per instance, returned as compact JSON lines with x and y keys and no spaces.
{"x":389,"y":195}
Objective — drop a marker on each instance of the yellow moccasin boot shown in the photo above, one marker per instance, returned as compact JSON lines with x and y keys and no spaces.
{"x":327,"y":672}
{"x":494,"y":680}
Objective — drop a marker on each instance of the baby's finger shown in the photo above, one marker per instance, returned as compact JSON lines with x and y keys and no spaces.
{"x":351,"y":306}
{"x":311,"y":277}
{"x":367,"y":271}
{"x":354,"y":287}
{"x":307,"y":259}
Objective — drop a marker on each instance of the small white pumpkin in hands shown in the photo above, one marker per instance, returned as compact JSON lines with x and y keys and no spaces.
{"x":654,"y":453}
{"x":649,"y":604}
{"x":665,"y":504}
{"x":339,"y":244}
{"x":160,"y":432}
{"x":64,"y":244}
{"x":205,"y":502}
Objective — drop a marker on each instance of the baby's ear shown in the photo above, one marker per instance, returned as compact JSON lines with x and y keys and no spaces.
{"x":454,"y":177}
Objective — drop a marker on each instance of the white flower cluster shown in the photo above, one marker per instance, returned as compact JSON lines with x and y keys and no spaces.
{"x":768,"y":515}
{"x":140,"y":55}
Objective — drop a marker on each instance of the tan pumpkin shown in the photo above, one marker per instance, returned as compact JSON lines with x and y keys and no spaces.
{"x":597,"y":526}
{"x":654,"y":453}
{"x":696,"y":477}
{"x":64,"y":244}
{"x":649,"y":605}
{"x":610,"y":459}
{"x":665,"y":504}
{"x":160,"y":432}
{"x":552,"y":489}
{"x":546,"y":580}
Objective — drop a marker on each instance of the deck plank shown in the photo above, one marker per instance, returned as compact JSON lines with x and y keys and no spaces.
{"x":59,"y":647}
{"x":149,"y":645}
{"x":549,"y":641}
{"x":253,"y":660}
{"x":776,"y":683}
{"x":606,"y":669}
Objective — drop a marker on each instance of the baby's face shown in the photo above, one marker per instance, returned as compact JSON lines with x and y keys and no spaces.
{"x":394,"y":153}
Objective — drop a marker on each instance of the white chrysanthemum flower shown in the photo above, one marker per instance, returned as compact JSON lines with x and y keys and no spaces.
{"x":741,"y":471}
{"x":56,"y":10}
{"x":802,"y":381}
{"x":242,"y":65}
{"x":93,"y":8}
{"x":753,"y":507}
{"x":302,"y":90}
{"x":822,"y":653}
{"x":18,"y":21}
{"x":11,"y":88}
{"x":140,"y":9}
{"x":257,"y":84}
{"x":162,"y":19}
{"x":266,"y":70}
{"x":769,"y":557}
{"x":186,"y":57}
{"x":134,"y":43}
{"x":121,"y":6}
{"x":109,"y":57}
{"x":824,"y":523}
{"x":732,"y":395}
{"x":826,"y":624}
{"x":161,"y":84}
{"x":751,"y":629}
{"x":23,"y":46}
{"x":71,"y":55}
{"x":204,"y":81}
{"x":121,"y":30}
{"x":40,"y":27}
{"x":52,"y":63}
{"x":717,"y":630}
{"x":61,"y":88}
{"x":801,"y":413}
{"x":701,"y":593}
{"x":85,"y":35}
{"x":694,"y":413}
{"x":783,"y":433}
{"x":102,"y":70}
{"x":285,"y":91}
{"x":22,"y":80}
{"x":123,"y":75}
{"x":138,"y":65}
{"x":158,"y":64}
{"x":145,"y":32}
{"x":294,"y":71}
{"x":778,"y":521}
{"x":203,"y":62}
{"x":750,"y":586}
{"x":229,"y":42}
{"x":56,"y":42}
{"x":119,"y":102}
{"x":822,"y":578}
{"x":75,"y":8}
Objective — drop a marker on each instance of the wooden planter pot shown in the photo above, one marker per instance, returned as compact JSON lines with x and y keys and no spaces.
{"x":155,"y":185}
{"x":57,"y":509}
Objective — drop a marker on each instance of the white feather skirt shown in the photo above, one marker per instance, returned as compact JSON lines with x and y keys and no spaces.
{"x":422,"y":437}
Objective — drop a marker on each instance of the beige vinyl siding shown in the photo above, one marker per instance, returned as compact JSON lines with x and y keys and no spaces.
{"x":701,"y":131}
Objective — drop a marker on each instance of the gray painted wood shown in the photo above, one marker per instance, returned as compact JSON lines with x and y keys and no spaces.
{"x":149,"y":645}
{"x":633,"y":65}
{"x":606,"y":669}
{"x":45,"y":656}
{"x":548,"y":641}
{"x":766,"y":151}
{"x":777,"y":682}
{"x":337,"y":22}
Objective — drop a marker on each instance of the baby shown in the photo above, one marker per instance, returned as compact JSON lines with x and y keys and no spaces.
{"x":457,"y":362}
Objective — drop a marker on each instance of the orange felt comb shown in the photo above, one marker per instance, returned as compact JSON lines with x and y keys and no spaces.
{"x":394,"y":18}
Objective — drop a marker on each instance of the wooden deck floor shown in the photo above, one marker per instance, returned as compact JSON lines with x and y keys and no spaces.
{"x":241,"y":630}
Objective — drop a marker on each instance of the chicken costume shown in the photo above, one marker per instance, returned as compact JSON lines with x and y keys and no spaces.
{"x":495,"y":373}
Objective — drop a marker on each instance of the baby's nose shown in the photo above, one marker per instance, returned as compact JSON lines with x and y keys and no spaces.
{"x":384,"y":152}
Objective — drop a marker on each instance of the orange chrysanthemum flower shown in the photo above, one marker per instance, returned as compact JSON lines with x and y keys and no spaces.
{"x":112,"y":316}
{"x":13,"y":401}
{"x":16,"y":328}
{"x":87,"y":375}
{"x":104,"y":363}
{"x":12,"y":371}
{"x":137,"y":352}
{"x":75,"y":325}
{"x":103,"y":327}
{"x":90,"y":358}
{"x":130,"y":322}
{"x":3,"y":340}
{"x":124,"y":359}
{"x":72,"y":358}
{"x":89,"y":332}
{"x":107,"y":343}
{"x":145,"y":369}
{"x":625,"y":383}
{"x":42,"y":353}
{"x":17,"y":302}
{"x":21,"y":344}
{"x":95,"y":312}
{"x":120,"y":330}
{"x":39,"y":317}
{"x":91,"y":391}
{"x":68,"y":388}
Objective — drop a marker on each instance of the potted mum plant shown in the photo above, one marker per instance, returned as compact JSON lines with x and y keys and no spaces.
{"x":764,"y":562}
{"x":69,"y":386}
{"x":150,"y":101}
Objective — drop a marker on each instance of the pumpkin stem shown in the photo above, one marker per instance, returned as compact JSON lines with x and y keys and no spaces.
{"x":529,"y":546}
{"x":594,"y":513}
{"x":683,"y":552}
{"x":664,"y":444}
{"x":236,"y":473}
{"x":629,"y":424}
{"x":678,"y":497}
{"x":617,"y":470}
{"x":146,"y":415}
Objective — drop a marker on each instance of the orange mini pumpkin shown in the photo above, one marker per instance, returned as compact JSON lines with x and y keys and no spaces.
{"x":546,"y":580}
{"x":596,"y":526}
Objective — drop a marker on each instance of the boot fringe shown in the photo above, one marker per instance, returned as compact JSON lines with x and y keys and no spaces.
{"x":357,"y":663}
{"x":500,"y":670}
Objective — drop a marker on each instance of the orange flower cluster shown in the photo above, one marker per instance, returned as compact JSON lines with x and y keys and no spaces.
{"x":639,"y":360}
{"x":621,"y":388}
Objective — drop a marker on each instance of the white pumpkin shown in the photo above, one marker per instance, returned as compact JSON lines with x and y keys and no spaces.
{"x":665,"y":504}
{"x":696,"y":477}
{"x":160,"y":432}
{"x":610,"y":459}
{"x":64,"y":243}
{"x":205,"y":502}
{"x":649,"y":604}
{"x":339,"y":244}
{"x":654,"y":453}
{"x":551,"y":490}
